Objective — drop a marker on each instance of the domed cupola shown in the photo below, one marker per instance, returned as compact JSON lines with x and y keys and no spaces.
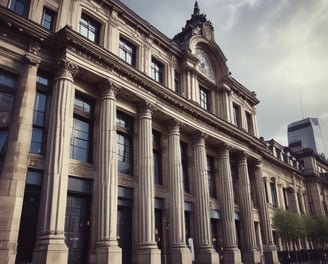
{"x":196,"y":25}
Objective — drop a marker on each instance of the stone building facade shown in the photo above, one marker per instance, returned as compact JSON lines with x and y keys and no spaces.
{"x":120,"y":145}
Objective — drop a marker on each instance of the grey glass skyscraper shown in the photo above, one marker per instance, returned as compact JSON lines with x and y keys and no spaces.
{"x":306,"y":133}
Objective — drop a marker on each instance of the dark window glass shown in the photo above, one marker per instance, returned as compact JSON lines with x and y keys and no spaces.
{"x":273,"y":194}
{"x":157,"y":70}
{"x":124,"y":143}
{"x":204,"y":98}
{"x":184,"y":161}
{"x":249,"y":123}
{"x":236,"y":115}
{"x":89,"y":28}
{"x":20,"y":7}
{"x":127,"y":52}
{"x":157,"y":157}
{"x":82,"y":130}
{"x":211,"y":177}
{"x":7,"y":97}
{"x":39,"y":118}
{"x":48,"y":19}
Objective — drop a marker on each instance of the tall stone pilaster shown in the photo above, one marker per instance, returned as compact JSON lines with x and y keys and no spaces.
{"x":231,"y":252}
{"x":147,"y":250}
{"x":251,"y":253}
{"x":224,"y":105}
{"x":107,"y":250}
{"x":13,"y":175}
{"x":269,"y":249}
{"x":206,"y":253}
{"x":180,"y":254}
{"x":50,"y":245}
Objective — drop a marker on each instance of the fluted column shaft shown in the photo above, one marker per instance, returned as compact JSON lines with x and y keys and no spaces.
{"x":177,"y":219}
{"x":227,"y":199}
{"x":179,"y":251}
{"x":54,"y":195}
{"x":107,"y":178}
{"x":202,"y":205}
{"x":13,"y":175}
{"x":146,"y":179}
{"x":269,"y":249}
{"x":246,"y":203}
{"x":206,"y":252}
{"x":148,"y":251}
{"x":267,"y":237}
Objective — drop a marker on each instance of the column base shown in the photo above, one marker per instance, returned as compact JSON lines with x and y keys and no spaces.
{"x":252,"y":256}
{"x":231,"y":255}
{"x":208,"y":256}
{"x":148,"y":254}
{"x":180,"y":255}
{"x":270,"y":254}
{"x":50,"y":249}
{"x":108,"y":252}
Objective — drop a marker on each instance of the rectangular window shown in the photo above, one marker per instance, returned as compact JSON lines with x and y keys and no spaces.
{"x":39,"y":117}
{"x":82,"y":130}
{"x":124,"y":143}
{"x":20,"y":7}
{"x":273,"y":194}
{"x":157,"y":70}
{"x":211,"y":177}
{"x":184,"y":161}
{"x":157,"y":157}
{"x":204,"y":98}
{"x":249,"y":120}
{"x":236,"y":115}
{"x":48,"y":19}
{"x":7,"y":97}
{"x":128,"y":52}
{"x":89,"y":28}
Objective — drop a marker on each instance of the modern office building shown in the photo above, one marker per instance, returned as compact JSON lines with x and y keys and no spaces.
{"x":120,"y":145}
{"x":306,"y":133}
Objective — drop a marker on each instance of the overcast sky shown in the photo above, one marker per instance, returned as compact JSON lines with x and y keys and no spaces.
{"x":277,"y":48}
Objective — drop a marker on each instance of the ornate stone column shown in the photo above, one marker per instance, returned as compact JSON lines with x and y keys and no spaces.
{"x":250,"y":254}
{"x":50,"y":245}
{"x":147,"y":251}
{"x":107,"y":250}
{"x":206,"y":253}
{"x":13,"y":176}
{"x":231,"y":252}
{"x":269,"y":249}
{"x":180,"y":254}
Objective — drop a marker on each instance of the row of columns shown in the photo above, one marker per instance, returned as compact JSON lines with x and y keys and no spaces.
{"x":51,"y":245}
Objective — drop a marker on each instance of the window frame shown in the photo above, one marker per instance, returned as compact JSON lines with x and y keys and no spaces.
{"x":85,"y":117}
{"x":129,"y":50}
{"x":51,"y":13}
{"x":12,"y":5}
{"x":204,"y":98}
{"x":90,"y":22}
{"x":157,"y":70}
{"x":237,"y":115}
{"x":157,"y":157}
{"x":126,"y":132}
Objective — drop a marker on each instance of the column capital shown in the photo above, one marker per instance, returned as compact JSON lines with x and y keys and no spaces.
{"x":145,"y":107}
{"x":198,"y":135}
{"x":223,"y":149}
{"x":33,"y":60}
{"x":174,"y":124}
{"x":108,"y":89}
{"x":66,"y":69}
{"x":223,"y":87}
{"x":242,"y":155}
